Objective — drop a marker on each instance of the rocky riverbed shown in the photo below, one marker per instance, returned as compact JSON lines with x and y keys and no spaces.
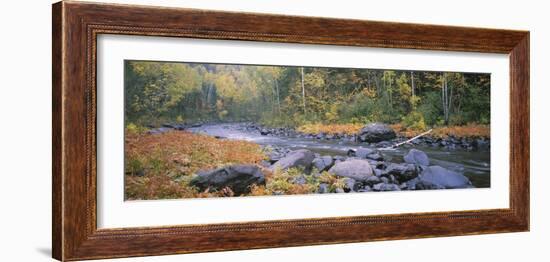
{"x":365,"y":161}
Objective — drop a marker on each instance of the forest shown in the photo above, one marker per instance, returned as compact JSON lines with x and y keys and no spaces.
{"x":293,"y":96}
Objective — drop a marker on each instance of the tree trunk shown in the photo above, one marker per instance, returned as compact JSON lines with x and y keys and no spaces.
{"x":446,"y":99}
{"x":443,"y":99}
{"x":278,"y":96}
{"x":412,"y":83}
{"x":303,"y":92}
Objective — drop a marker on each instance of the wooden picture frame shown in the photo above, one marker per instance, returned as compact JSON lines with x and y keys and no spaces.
{"x":76,"y":26}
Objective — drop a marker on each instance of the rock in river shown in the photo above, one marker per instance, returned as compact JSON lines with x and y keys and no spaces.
{"x":238,"y":177}
{"x":402,"y":172}
{"x":386,"y":187}
{"x":323,"y":163}
{"x":358,"y":169}
{"x":417,"y":157}
{"x":364,"y":152}
{"x":375,"y":132}
{"x":298,"y":158}
{"x":439,"y":177}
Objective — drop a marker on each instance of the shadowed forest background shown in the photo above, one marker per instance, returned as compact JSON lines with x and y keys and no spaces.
{"x":293,"y":96}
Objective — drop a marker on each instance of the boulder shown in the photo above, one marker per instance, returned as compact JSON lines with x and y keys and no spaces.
{"x":273,"y":157}
{"x":373,"y":180}
{"x":386,"y":187}
{"x":375,"y":156}
{"x":298,"y":158}
{"x":436,"y":176}
{"x":363,"y":152}
{"x":417,"y":157}
{"x":357,"y":169}
{"x":323,"y":188}
{"x":339,"y":190}
{"x":375,"y":132}
{"x":401,"y":172}
{"x":350,"y":185}
{"x":323,"y":163}
{"x":238,"y":177}
{"x":299,"y":180}
{"x":265,"y":132}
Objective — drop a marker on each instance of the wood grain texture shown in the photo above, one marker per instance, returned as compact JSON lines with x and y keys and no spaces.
{"x":76,"y":26}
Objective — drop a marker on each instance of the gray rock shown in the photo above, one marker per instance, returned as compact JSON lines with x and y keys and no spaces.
{"x":384,"y":144}
{"x":360,"y":170}
{"x":482,"y":143}
{"x":265,"y":163}
{"x":402,"y":172}
{"x":411,"y":184}
{"x":365,"y":189}
{"x":323,"y":188}
{"x":384,"y":180}
{"x":351,"y":184}
{"x":339,"y":190}
{"x":373,"y":180}
{"x":436,"y":176}
{"x":375,"y":156}
{"x":363,"y":152}
{"x":238,"y":177}
{"x":299,"y":180}
{"x":273,"y":157}
{"x":299,"y":158}
{"x":385,"y":187}
{"x":375,"y":132}
{"x":417,"y":157}
{"x":323,"y":163}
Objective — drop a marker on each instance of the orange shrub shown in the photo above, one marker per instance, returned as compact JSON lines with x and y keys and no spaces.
{"x":160,"y":166}
{"x":330,"y":128}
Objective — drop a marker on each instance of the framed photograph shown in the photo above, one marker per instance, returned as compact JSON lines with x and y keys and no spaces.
{"x":181,"y":130}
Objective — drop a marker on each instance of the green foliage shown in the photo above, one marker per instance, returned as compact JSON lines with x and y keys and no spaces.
{"x":414,"y":121}
{"x":332,"y":181}
{"x":135,"y":129}
{"x":157,"y":92}
{"x":282,"y":182}
{"x":430,"y":108}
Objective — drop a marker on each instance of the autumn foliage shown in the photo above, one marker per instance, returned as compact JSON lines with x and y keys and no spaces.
{"x":161,"y":166}
{"x":466,"y":131}
{"x":348,"y":129}
{"x":469,"y":130}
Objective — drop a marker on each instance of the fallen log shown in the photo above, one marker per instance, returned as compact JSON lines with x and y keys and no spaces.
{"x":408,"y":141}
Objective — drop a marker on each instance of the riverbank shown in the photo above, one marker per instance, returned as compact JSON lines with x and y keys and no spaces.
{"x":214,"y":160}
{"x":470,"y":137}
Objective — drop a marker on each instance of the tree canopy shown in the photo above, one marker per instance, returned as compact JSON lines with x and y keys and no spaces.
{"x":158,"y":92}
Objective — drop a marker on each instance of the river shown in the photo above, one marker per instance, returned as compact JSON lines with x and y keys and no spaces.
{"x":474,"y":164}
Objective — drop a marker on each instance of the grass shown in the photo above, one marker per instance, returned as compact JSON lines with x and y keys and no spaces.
{"x":469,"y":130}
{"x":348,"y":129}
{"x":281,"y":183}
{"x":161,"y":166}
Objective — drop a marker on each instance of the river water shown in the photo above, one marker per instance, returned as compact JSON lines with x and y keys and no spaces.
{"x":474,"y":164}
